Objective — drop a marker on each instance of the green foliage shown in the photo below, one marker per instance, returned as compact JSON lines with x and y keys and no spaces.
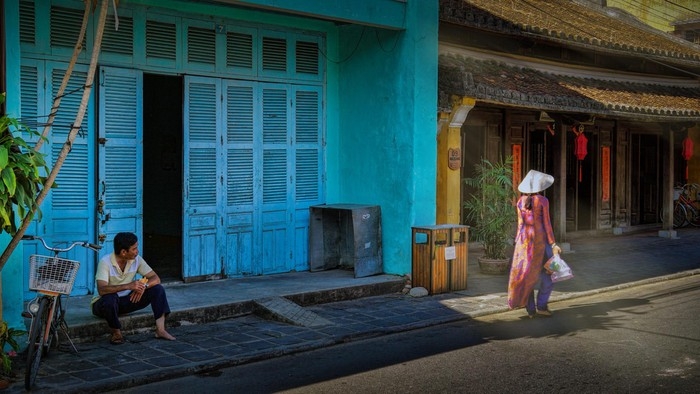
{"x":7,"y":337}
{"x":20,"y":172}
{"x":490,"y":209}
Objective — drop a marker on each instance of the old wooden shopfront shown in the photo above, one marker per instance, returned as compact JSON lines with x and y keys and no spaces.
{"x":600,"y":102}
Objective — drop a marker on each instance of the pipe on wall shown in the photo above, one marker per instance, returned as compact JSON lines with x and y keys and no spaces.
{"x":3,"y":83}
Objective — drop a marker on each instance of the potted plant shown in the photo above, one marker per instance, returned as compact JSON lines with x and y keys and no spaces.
{"x":7,"y":337}
{"x":491,"y":214}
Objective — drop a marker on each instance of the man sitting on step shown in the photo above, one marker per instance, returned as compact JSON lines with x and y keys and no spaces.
{"x":118,"y":291}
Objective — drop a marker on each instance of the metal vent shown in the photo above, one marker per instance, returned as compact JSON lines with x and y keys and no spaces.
{"x":27,"y":22}
{"x":65,"y":26}
{"x":239,"y":50}
{"x":274,"y":56}
{"x":119,"y":41}
{"x":307,"y":57}
{"x":161,"y":40}
{"x":201,"y":45}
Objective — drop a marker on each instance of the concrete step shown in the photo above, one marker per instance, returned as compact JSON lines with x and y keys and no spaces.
{"x":286,"y":311}
{"x":272,"y":298}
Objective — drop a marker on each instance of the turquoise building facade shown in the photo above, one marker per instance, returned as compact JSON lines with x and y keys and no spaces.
{"x":212,"y":128}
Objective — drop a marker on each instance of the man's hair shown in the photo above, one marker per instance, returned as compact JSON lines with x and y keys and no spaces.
{"x":124,"y":241}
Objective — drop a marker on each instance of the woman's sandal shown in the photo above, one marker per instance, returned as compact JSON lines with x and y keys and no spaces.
{"x":116,"y":340}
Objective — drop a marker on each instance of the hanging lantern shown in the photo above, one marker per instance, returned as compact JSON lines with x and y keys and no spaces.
{"x":580,"y":148}
{"x":687,"y":153}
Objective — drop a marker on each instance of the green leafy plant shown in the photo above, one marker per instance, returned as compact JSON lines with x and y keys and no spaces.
{"x":7,"y":337}
{"x":490,"y":210}
{"x":20,"y":172}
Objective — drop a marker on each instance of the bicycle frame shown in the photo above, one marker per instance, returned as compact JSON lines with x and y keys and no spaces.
{"x":54,"y":316}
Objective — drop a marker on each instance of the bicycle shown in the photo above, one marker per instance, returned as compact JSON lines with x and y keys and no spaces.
{"x":686,"y":207}
{"x":51,"y":277}
{"x":688,"y":198}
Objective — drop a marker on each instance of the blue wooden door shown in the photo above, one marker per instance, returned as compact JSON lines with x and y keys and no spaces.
{"x":276,"y":171}
{"x":253,"y":166}
{"x":274,"y":174}
{"x":308,"y":164}
{"x":242,"y":104}
{"x":203,"y":179}
{"x":120,"y":151}
{"x":67,"y":214}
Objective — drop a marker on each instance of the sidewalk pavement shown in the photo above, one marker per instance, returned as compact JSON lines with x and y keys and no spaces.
{"x":218,"y":324}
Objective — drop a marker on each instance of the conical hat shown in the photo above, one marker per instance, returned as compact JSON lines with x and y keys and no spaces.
{"x":535,"y":182}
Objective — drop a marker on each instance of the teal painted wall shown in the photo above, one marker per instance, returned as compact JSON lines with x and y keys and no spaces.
{"x":386,"y":143}
{"x":381,"y":103}
{"x":381,"y":100}
{"x":383,"y":13}
{"x":12,"y":287}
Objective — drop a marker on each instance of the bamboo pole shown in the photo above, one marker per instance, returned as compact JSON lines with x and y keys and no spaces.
{"x":69,"y":141}
{"x":66,"y":77}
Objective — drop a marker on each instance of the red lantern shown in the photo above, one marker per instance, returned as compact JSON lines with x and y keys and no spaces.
{"x":687,"y":153}
{"x":580,"y":148}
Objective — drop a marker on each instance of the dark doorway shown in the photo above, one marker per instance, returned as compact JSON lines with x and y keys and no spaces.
{"x":162,"y":174}
{"x":646,"y":175}
{"x":581,"y":184}
{"x":540,"y":157}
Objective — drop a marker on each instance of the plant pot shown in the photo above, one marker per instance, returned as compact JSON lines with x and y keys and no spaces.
{"x":494,"y":266}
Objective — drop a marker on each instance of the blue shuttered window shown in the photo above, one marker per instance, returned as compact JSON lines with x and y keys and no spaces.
{"x":72,"y":180}
{"x":308,"y":145}
{"x":202,"y":136}
{"x":239,"y":135}
{"x":29,"y":82}
{"x":275,"y":145}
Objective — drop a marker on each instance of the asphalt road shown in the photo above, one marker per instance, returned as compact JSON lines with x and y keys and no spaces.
{"x":642,"y":339}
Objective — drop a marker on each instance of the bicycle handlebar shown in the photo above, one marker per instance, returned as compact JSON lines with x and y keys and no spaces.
{"x":84,"y":244}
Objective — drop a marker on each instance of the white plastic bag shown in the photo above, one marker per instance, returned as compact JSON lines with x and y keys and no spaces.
{"x":560,"y":270}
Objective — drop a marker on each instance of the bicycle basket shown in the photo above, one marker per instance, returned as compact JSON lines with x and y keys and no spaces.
{"x":53,"y":274}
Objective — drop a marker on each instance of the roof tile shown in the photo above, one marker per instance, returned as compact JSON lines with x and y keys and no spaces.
{"x":569,"y":21}
{"x":497,"y":82}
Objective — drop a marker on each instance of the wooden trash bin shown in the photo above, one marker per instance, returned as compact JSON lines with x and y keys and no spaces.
{"x":439,"y":257}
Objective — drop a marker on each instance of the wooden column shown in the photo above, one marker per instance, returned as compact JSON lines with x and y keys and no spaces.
{"x":449,"y":162}
{"x":667,"y":231}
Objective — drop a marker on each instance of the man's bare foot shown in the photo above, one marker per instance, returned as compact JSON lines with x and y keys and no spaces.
{"x":162,"y":334}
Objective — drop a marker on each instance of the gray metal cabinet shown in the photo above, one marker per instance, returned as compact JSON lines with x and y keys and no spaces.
{"x":346,"y":236}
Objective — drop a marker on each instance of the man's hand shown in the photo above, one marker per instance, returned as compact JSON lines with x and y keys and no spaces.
{"x":138,"y":287}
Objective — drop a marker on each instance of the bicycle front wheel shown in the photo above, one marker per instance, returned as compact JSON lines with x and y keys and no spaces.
{"x":693,"y":216}
{"x":35,"y":347}
{"x":680,"y":216}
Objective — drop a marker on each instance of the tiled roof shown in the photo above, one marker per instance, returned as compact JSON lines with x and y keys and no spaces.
{"x":572,"y":23}
{"x":496,"y":82}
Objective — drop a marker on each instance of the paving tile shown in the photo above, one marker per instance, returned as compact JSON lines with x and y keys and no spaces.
{"x":598,"y":263}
